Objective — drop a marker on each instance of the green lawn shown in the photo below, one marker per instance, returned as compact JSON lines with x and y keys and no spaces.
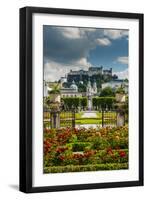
{"x":78,"y":115}
{"x":110,"y":114}
{"x":88,"y":121}
{"x":96,"y":120}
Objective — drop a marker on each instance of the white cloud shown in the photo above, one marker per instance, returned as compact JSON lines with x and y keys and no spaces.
{"x":115,"y":34}
{"x":68,"y":48}
{"x":83,"y":63}
{"x":122,"y":60}
{"x":123,"y":74}
{"x":65,"y":44}
{"x":74,"y":32}
{"x":71,"y":33}
{"x":103,"y":41}
{"x":53,"y":71}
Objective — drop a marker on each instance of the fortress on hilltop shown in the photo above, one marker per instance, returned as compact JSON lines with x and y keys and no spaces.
{"x":93,"y":73}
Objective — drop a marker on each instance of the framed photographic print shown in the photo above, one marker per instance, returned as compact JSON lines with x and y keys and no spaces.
{"x":81,"y":99}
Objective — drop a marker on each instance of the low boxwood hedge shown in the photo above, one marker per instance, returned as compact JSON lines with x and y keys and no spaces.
{"x":82,"y":168}
{"x":80,"y":146}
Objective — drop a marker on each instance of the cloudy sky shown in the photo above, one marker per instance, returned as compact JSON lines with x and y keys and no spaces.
{"x":75,"y":48}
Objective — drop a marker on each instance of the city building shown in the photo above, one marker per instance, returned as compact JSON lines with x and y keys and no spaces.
{"x":63,"y":80}
{"x":72,"y":91}
{"x":91,"y":90}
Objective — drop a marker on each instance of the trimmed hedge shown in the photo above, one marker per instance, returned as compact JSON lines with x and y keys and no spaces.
{"x":97,"y":102}
{"x":74,"y":102}
{"x":83,"y":102}
{"x":79,"y":168}
{"x":103,"y":102}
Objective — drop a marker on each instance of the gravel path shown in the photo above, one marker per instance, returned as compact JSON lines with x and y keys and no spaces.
{"x":87,"y":126}
{"x":89,"y":114}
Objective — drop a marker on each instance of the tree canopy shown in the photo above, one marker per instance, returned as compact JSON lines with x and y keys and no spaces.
{"x":107,"y":92}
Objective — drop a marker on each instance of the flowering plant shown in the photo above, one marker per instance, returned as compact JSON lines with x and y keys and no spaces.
{"x":84,"y":147}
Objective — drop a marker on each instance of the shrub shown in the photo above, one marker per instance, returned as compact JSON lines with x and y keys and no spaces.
{"x":71,"y":102}
{"x":83,"y":102}
{"x":79,"y":168}
{"x":103,"y":102}
{"x":74,"y":102}
{"x":80,"y":146}
{"x":107,"y":92}
{"x":100,"y":143}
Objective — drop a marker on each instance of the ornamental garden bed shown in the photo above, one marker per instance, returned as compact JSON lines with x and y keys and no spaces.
{"x":77,"y":150}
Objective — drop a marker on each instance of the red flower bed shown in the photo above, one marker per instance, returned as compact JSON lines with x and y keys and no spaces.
{"x":106,"y":145}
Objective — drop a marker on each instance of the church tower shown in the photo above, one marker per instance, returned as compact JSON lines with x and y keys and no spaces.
{"x":94,"y":88}
{"x":89,"y":88}
{"x":89,"y":95}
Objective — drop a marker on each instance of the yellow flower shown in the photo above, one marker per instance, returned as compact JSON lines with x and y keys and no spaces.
{"x":99,"y":134}
{"x":117,"y":137}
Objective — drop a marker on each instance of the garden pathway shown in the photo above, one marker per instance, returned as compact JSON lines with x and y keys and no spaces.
{"x":87,"y":126}
{"x":89,"y":114}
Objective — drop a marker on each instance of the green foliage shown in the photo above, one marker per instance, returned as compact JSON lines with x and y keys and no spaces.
{"x":81,"y":87}
{"x":100,"y":143}
{"x":121,"y":143}
{"x":79,"y":168}
{"x":80,"y":146}
{"x":83,"y":102}
{"x":126,"y":105}
{"x":55,"y":90}
{"x":103,"y":102}
{"x":46,"y":102}
{"x":73,"y":138}
{"x":120,"y":90}
{"x":70,"y":102}
{"x":126,"y":80}
{"x":107,"y":92}
{"x":74,"y":102}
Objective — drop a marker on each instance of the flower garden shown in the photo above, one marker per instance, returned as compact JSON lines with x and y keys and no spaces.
{"x":78,"y":150}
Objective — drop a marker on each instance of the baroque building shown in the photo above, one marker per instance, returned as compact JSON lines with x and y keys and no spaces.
{"x":72,"y":91}
{"x":91,"y":90}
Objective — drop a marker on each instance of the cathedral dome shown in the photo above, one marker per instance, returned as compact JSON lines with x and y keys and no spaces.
{"x":74,"y":86}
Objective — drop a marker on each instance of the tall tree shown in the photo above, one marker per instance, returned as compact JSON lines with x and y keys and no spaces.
{"x":107,"y":92}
